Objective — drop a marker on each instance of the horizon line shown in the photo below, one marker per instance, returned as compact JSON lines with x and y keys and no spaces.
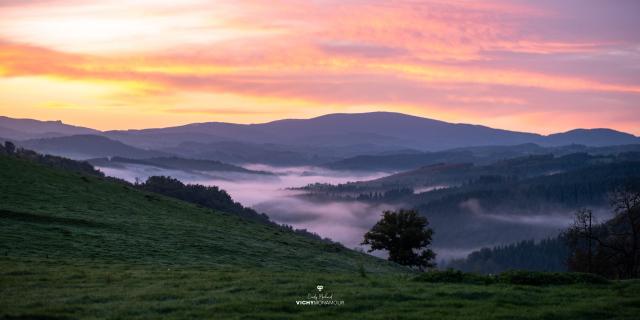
{"x":315,"y":117}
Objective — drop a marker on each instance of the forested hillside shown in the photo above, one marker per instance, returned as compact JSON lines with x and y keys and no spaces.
{"x":545,"y":255}
{"x":511,"y":200}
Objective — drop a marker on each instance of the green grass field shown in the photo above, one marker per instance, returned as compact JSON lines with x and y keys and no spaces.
{"x":86,"y":290}
{"x":62,"y":215}
{"x":74,"y":247}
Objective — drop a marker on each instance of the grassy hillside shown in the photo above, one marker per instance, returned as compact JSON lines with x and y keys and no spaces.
{"x":63,"y":215}
{"x":78,"y":247}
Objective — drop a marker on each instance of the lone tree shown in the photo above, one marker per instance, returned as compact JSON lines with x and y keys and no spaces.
{"x":401,"y":232}
{"x":580,"y":240}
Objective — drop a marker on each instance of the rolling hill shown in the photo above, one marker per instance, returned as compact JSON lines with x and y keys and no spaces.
{"x":324,"y":139}
{"x":453,"y":173}
{"x":238,"y":152}
{"x":482,"y":155}
{"x":591,"y":137}
{"x":511,"y":200}
{"x":374,"y":129}
{"x":78,"y":247}
{"x":22,"y":129}
{"x":88,"y":146}
{"x":175,"y":163}
{"x":378,"y":130}
{"x":64,"y":215}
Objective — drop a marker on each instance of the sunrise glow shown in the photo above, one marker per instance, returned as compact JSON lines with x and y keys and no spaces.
{"x":539,"y":66}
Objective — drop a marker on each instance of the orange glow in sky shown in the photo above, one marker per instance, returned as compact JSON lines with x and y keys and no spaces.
{"x":528,"y":65}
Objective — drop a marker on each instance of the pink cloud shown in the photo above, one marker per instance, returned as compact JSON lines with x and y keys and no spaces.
{"x":496,"y":58}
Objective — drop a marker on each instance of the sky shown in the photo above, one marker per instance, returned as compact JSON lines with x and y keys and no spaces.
{"x":529,"y":65}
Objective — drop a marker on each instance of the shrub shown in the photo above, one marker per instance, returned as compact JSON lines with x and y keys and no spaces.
{"x":534,"y":278}
{"x":454,"y":276}
{"x":362,"y":271}
{"x":333,"y":247}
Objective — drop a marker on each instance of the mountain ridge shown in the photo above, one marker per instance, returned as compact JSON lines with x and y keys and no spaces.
{"x":71,"y":216}
{"x":4,"y":119}
{"x":22,"y":128}
{"x":378,"y":131}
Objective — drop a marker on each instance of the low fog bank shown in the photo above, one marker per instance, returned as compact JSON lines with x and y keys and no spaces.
{"x":446,"y":254}
{"x":550,"y":219}
{"x":253,"y":192}
{"x":133,"y":172}
{"x":458,"y":235}
{"x":347,"y":221}
{"x":418,"y":190}
{"x":547,"y":216}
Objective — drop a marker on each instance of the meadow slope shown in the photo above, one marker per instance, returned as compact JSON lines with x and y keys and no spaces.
{"x":82,"y":247}
{"x":64,"y":215}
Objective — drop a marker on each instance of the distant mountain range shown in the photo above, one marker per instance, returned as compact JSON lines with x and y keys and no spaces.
{"x":374,"y":129}
{"x":293,"y":141}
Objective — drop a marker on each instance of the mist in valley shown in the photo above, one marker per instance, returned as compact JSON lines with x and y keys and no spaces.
{"x":347,"y":221}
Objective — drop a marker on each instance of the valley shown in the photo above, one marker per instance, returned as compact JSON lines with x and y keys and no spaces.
{"x":162,"y":219}
{"x":103,"y":249}
{"x":337,"y":176}
{"x":366,"y":160}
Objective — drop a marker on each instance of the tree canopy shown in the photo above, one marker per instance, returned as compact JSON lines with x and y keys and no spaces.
{"x":406,"y":235}
{"x":612,"y":248}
